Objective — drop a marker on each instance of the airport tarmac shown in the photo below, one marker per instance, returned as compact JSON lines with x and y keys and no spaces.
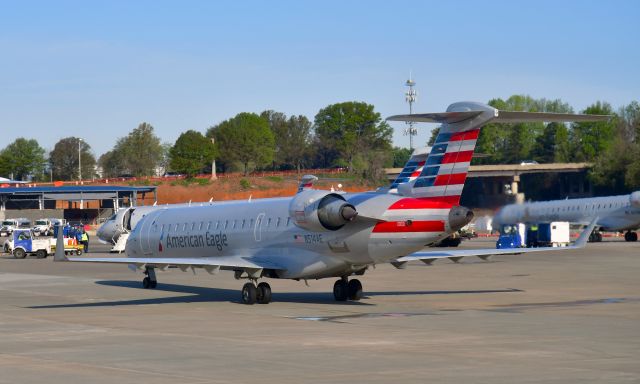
{"x":569,"y":317}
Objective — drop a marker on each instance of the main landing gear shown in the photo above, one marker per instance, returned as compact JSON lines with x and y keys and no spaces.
{"x":150,"y":281}
{"x":631,"y":236}
{"x":260,"y":294}
{"x":345,"y":289}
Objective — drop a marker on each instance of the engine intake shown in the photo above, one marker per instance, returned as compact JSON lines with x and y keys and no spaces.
{"x":321,"y":211}
{"x":634,"y":199}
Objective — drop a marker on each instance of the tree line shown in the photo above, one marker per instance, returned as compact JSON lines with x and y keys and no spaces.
{"x":350,"y":135}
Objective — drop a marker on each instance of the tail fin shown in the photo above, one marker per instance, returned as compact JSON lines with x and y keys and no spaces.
{"x":306,"y":183}
{"x":412,"y":169}
{"x":446,"y":167}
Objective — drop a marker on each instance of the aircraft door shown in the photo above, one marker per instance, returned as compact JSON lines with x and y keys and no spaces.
{"x":257,"y":230}
{"x":146,"y":231}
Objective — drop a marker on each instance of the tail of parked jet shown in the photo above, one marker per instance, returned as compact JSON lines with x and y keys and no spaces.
{"x":445,"y":170}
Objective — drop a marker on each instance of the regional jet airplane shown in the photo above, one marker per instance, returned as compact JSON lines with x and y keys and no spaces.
{"x":320,"y":234}
{"x":615,"y":213}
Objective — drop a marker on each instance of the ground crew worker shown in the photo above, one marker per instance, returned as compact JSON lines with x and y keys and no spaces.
{"x":85,"y":241}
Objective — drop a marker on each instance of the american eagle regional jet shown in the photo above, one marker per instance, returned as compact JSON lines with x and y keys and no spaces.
{"x":321,"y":234}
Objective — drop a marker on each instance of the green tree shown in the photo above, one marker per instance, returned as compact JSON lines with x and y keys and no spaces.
{"x":400,"y":156}
{"x":352,"y":134}
{"x":139,"y":153}
{"x":191,"y":153}
{"x":63,"y":159}
{"x":593,"y":138}
{"x":617,"y":168}
{"x":22,"y":158}
{"x":245,"y":138}
{"x":292,"y":139}
{"x":112,"y":164}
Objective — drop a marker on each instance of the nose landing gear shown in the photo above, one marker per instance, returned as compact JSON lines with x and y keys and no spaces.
{"x":150,"y":281}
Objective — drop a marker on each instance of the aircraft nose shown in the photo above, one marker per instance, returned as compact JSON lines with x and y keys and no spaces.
{"x":459,"y":217}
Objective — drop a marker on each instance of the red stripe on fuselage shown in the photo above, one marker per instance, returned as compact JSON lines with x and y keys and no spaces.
{"x":457,"y":157}
{"x":455,"y":178}
{"x":409,"y":226}
{"x":426,"y":202}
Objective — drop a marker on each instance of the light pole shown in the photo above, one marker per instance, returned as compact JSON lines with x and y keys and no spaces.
{"x":213,"y":163}
{"x":410,"y":96}
{"x":79,"y":161}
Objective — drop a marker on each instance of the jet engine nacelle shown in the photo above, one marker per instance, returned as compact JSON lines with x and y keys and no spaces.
{"x":321,"y":211}
{"x":634,"y":199}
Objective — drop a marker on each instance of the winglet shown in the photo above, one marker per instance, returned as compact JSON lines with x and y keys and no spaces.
{"x":584,"y":236}
{"x":59,"y":255}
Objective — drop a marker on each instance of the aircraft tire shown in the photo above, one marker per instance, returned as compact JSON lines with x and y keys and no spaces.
{"x":340,"y":290}
{"x":354,"y":289}
{"x":146,"y":283}
{"x":249,"y":294}
{"x":153,"y":284}
{"x":263,"y":293}
{"x":631,"y":236}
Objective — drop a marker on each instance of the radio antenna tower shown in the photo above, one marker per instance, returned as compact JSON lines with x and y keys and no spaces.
{"x":410,"y":96}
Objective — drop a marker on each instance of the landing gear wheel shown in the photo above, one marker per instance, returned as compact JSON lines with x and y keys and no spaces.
{"x":146,"y":283}
{"x":263,"y":293}
{"x":354,"y":289}
{"x":41,"y":254}
{"x":153,"y":284}
{"x":340,"y":290}
{"x":249,"y":294}
{"x":19,"y":253}
{"x":630,"y":236}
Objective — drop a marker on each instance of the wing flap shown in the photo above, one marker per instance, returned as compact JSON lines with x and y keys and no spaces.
{"x":211,"y":264}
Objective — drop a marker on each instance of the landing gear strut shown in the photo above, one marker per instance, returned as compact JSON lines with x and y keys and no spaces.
{"x":150,"y":281}
{"x":345,"y":289}
{"x":260,"y":294}
{"x":631,"y":236}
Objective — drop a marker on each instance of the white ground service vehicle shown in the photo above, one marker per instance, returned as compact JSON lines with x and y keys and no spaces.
{"x":43,"y":227}
{"x":9,"y":225}
{"x":23,"y":243}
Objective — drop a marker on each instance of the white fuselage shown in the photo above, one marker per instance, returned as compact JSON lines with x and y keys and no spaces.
{"x":264,"y":229}
{"x":616,"y":213}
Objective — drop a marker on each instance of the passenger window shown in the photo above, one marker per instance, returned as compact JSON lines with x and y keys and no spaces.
{"x":251,"y":225}
{"x":288,"y":221}
{"x":269,"y":222}
{"x":226,"y":224}
{"x":218,"y":224}
{"x":244,"y":221}
{"x":184,"y":227}
{"x":278,"y":222}
{"x":234,"y":223}
{"x":193,"y":225}
{"x":208,"y":226}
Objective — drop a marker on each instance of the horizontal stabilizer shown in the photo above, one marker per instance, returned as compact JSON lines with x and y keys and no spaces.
{"x":438,"y":117}
{"x":499,"y":117}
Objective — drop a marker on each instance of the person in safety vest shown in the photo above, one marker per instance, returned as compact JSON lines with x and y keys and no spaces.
{"x":85,"y":241}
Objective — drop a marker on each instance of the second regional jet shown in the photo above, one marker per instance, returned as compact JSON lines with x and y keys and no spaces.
{"x":615,"y":213}
{"x":321,"y":234}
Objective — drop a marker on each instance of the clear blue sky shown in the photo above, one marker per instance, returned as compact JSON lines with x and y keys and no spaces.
{"x":98,"y":68}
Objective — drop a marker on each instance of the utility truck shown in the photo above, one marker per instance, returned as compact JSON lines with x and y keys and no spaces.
{"x":9,"y":225}
{"x":554,"y":234}
{"x":23,"y":243}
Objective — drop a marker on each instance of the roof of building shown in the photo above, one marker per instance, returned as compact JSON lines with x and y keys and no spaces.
{"x":75,"y":189}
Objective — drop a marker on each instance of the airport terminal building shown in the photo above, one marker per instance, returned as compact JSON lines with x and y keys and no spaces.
{"x":86,"y":204}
